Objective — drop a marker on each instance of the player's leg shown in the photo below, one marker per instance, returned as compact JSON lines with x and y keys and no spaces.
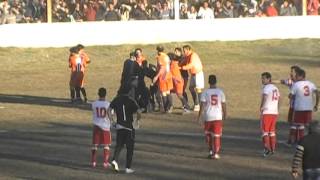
{"x":265,"y":124}
{"x":95,"y":142}
{"x":208,"y":135}
{"x":185,"y":83}
{"x":193,"y":92}
{"x":272,"y":134}
{"x":82,"y":89}
{"x":199,"y":77}
{"x":217,"y":132}
{"x":106,"y":150}
{"x":130,"y":148}
{"x":290,"y":121}
{"x":120,"y":141}
{"x":72,"y":87}
{"x":178,"y":87}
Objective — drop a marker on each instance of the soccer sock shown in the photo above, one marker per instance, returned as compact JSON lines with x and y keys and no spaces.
{"x":293,"y":134}
{"x":83,"y":91}
{"x":273,"y":142}
{"x":164,"y":102}
{"x":169,"y":101}
{"x":266,"y":142}
{"x":217,"y":143}
{"x":185,"y":96}
{"x":194,"y":96}
{"x":93,"y":154}
{"x":198,"y":97}
{"x":77,"y":92}
{"x":209,"y":141}
{"x":106,"y":154}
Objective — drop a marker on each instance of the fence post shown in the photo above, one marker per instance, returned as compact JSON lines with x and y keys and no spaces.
{"x":49,"y":11}
{"x":176,"y":10}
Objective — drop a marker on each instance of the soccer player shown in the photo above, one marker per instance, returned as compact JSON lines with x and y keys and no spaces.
{"x":164,"y":78}
{"x":75,"y":64}
{"x":213,"y":107}
{"x":101,"y":128}
{"x":269,"y":109}
{"x":307,"y":153}
{"x":85,"y":60}
{"x":184,"y":73}
{"x":302,"y":93}
{"x":194,"y":66}
{"x":73,"y":52}
{"x":125,"y":107}
{"x":177,"y":80}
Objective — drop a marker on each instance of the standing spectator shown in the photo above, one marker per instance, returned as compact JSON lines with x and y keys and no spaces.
{"x":302,"y":93}
{"x":192,"y":14}
{"x":124,"y":107}
{"x":213,"y":107}
{"x":205,"y":12}
{"x":312,"y":7}
{"x":101,"y":128}
{"x":307,"y":153}
{"x":90,"y":11}
{"x":4,"y":11}
{"x":218,"y":10}
{"x":111,"y":14}
{"x":101,"y":10}
{"x":194,"y":66}
{"x":228,"y":9}
{"x":183,"y":12}
{"x":269,"y":109}
{"x":140,"y":13}
{"x":165,"y":12}
{"x":125,"y":12}
{"x":78,"y":14}
{"x":287,"y":9}
{"x":271,"y":9}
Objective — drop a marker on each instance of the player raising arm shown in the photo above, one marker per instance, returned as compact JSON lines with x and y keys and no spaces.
{"x":213,"y":107}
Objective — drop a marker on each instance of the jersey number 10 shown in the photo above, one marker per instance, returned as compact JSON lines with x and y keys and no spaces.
{"x":101,"y":112}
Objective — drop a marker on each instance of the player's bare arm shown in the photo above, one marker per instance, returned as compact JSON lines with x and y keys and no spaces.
{"x":316,"y":92}
{"x":224,"y":111}
{"x":202,"y":104}
{"x":263,"y":100}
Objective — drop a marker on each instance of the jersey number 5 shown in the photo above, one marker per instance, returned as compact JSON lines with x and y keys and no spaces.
{"x":101,"y":112}
{"x":306,"y":91}
{"x":214,"y":100}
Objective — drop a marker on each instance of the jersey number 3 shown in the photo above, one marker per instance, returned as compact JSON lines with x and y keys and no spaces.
{"x":101,"y":112}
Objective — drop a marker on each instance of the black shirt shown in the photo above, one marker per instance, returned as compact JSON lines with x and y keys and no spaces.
{"x":311,"y":153}
{"x":125,"y":107}
{"x":131,"y":70}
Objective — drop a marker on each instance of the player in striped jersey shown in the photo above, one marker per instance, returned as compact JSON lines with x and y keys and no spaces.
{"x":101,"y":128}
{"x":269,"y":109}
{"x":213,"y":108}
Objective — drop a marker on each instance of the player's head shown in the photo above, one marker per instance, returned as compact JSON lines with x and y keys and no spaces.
{"x":74,"y":50}
{"x":266,"y":78}
{"x":80,"y":46}
{"x":300,"y":74}
{"x":132,"y":55}
{"x":293,"y":71}
{"x":178,"y":51}
{"x":102,"y":92}
{"x":186,"y":49}
{"x":138,"y":52}
{"x":160,"y":48}
{"x":172,"y":56}
{"x":212,"y":79}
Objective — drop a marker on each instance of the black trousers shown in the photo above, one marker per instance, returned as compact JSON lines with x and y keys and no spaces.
{"x":124,"y":137}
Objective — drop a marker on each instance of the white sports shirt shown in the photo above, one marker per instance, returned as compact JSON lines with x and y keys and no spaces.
{"x":100,"y":117}
{"x":270,"y":105}
{"x":303,"y":92}
{"x":213,"y":99}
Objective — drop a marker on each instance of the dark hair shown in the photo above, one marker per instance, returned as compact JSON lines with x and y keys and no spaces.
{"x":80,"y":46}
{"x":212,"y":79}
{"x":102,"y":92}
{"x":301,"y":73}
{"x":187,"y":47}
{"x":178,"y":49}
{"x":74,"y":49}
{"x":295,"y":68}
{"x":172,"y":56}
{"x":132,"y":54}
{"x":266,"y":74}
{"x":160,"y":48}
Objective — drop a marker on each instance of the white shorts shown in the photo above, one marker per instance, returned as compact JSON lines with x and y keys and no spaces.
{"x":197,"y":81}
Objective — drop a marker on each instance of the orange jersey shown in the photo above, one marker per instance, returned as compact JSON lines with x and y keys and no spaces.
{"x":175,"y":70}
{"x":163,"y":63}
{"x":194,"y":63}
{"x":85,"y":57}
{"x":76,"y":63}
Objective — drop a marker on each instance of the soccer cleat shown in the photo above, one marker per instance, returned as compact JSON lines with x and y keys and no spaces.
{"x":170,"y":109}
{"x":106,"y":165}
{"x":93,"y":164}
{"x":186,"y":111}
{"x":85,"y":100}
{"x":115,"y":166}
{"x":210,"y":156}
{"x":267,"y":153}
{"x":216,"y":156}
{"x":129,"y":171}
{"x":196,"y":108}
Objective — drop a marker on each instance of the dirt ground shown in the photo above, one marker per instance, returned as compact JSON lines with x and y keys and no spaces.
{"x":43,"y":136}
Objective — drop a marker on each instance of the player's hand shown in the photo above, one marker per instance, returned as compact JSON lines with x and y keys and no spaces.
{"x":315,"y":108}
{"x":295,"y":175}
{"x":154,"y":80}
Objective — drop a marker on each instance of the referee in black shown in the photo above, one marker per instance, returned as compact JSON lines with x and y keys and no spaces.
{"x":308,"y":152}
{"x":125,"y":107}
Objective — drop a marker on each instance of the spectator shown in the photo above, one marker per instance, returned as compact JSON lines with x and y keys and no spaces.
{"x":165,"y":12}
{"x":312,"y":7}
{"x":183,"y":12}
{"x":78,"y":14}
{"x":4,"y":11}
{"x":111,"y":14}
{"x":228,"y":9}
{"x":140,"y":13}
{"x":218,"y":10}
{"x":101,"y":10}
{"x":205,"y":12}
{"x":287,"y":9}
{"x":125,"y":12}
{"x":90,"y":11}
{"x":271,"y":10}
{"x":192,"y":14}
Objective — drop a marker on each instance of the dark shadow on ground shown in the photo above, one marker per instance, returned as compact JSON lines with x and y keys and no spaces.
{"x":45,"y":101}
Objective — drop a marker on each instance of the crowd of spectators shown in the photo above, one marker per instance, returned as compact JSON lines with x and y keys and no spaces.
{"x":26,"y":11}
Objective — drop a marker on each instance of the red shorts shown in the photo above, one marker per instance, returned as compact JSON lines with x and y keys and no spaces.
{"x":214,"y":127}
{"x":268,"y":123}
{"x":101,"y":136}
{"x":290,"y":115}
{"x":302,"y":117}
